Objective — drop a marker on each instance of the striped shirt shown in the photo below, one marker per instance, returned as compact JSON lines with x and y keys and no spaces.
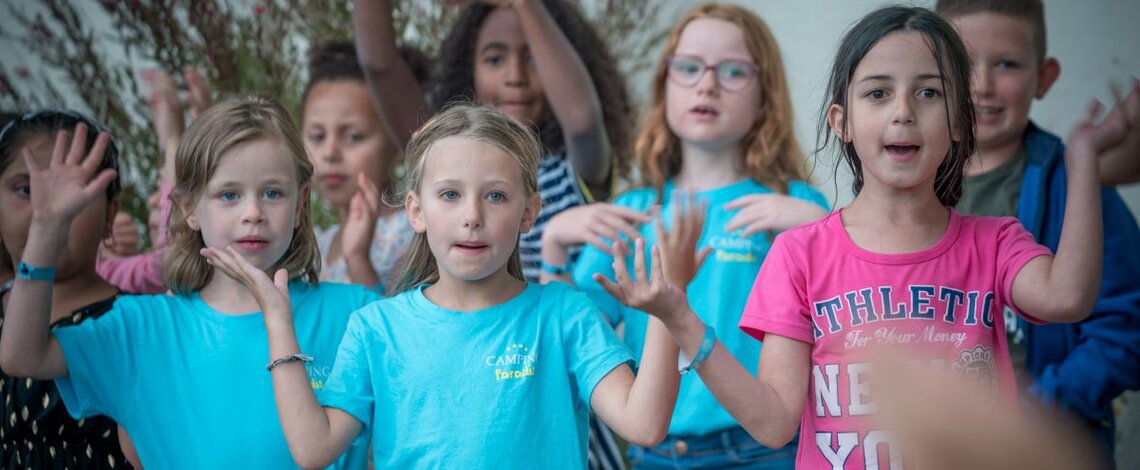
{"x":560,"y":189}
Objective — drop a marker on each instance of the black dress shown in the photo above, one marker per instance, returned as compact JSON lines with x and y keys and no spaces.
{"x":37,"y":432}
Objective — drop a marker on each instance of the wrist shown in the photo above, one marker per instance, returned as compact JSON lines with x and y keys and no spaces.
{"x":553,"y":252}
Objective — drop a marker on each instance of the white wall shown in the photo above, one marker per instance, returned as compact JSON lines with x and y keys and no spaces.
{"x":1095,"y":41}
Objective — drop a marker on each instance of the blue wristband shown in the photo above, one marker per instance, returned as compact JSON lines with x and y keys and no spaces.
{"x":706,"y":347}
{"x":556,"y":269}
{"x":32,"y":273}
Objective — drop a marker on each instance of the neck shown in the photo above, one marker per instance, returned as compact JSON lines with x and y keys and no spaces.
{"x":704,"y":168}
{"x":881,"y":206}
{"x":228,"y":296}
{"x":467,"y":296}
{"x":987,"y":158}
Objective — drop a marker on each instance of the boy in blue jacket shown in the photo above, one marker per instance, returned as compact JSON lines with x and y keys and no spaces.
{"x":1019,"y":171}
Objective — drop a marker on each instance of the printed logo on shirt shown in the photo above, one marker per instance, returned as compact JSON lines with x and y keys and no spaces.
{"x":517,"y":362}
{"x":318,"y":375}
{"x":978,"y":365}
{"x":735,"y":249}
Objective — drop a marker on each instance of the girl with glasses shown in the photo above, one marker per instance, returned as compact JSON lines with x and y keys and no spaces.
{"x":719,"y":147}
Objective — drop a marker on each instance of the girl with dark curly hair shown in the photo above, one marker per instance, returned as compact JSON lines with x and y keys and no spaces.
{"x":540,"y":62}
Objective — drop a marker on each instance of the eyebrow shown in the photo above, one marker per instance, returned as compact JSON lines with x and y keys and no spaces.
{"x":494,"y":45}
{"x":921,"y":77}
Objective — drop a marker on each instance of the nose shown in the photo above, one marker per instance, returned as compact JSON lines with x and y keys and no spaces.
{"x":904,"y":111}
{"x":329,"y":149}
{"x":251,"y":212}
{"x":707,"y":84}
{"x":517,"y":73}
{"x":473,"y":214}
{"x":983,"y":80}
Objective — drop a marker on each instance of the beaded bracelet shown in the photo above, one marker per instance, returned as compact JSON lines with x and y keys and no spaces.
{"x":287,"y":359}
{"x":706,"y":348}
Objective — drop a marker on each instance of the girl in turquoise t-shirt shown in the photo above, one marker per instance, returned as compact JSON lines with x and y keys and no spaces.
{"x":718,"y":136}
{"x":468,"y":364}
{"x":184,"y":373}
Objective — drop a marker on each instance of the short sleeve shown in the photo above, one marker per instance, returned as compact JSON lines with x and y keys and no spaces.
{"x":802,"y":190}
{"x":592,"y":348}
{"x":349,"y":386}
{"x":1016,"y":247}
{"x":778,"y":301}
{"x":101,"y":364}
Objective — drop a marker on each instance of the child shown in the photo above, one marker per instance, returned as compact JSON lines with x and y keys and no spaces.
{"x":537,"y":60}
{"x":353,"y":157}
{"x":468,"y":361}
{"x":721,"y":127}
{"x":182,"y":372}
{"x":36,"y":431}
{"x":1019,"y":171}
{"x":898,"y":266}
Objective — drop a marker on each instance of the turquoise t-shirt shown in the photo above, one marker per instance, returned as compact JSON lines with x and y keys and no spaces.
{"x":717,"y":293}
{"x":189,"y":383}
{"x":504,"y":387}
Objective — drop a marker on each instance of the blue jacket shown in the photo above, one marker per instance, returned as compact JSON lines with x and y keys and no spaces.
{"x":1084,"y":366}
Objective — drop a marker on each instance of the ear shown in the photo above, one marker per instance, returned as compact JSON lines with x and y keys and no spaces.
{"x":530,"y":212}
{"x":837,"y":123}
{"x":415,"y":212}
{"x":184,"y":205}
{"x":1046,"y":76}
{"x":302,"y":196}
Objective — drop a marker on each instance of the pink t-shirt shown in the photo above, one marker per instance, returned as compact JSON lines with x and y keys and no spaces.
{"x":945,"y":302}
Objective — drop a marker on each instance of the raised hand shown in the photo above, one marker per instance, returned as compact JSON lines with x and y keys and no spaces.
{"x":599,"y":224}
{"x":1090,"y":136}
{"x":60,"y":191}
{"x":125,"y":238}
{"x":1121,"y":163}
{"x":199,"y":97}
{"x":271,"y":295}
{"x":770,"y":212}
{"x":648,"y":293}
{"x":679,"y":258}
{"x":165,"y":107}
{"x":360,"y":225}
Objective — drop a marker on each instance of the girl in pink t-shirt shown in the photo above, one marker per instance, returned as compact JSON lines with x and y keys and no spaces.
{"x":898,"y":267}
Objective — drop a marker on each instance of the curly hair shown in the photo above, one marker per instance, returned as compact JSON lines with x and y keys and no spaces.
{"x":336,"y":60}
{"x":455,"y":78}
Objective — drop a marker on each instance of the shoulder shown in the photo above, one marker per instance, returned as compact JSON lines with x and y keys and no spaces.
{"x":820,"y":231}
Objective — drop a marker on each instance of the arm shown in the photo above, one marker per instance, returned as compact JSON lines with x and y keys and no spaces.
{"x":316,"y":436}
{"x":396,"y":94}
{"x":569,"y":90}
{"x":1063,"y":288}
{"x":58,"y":193}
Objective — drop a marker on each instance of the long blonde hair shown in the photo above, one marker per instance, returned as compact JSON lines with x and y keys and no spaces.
{"x":772,"y":156}
{"x":221,"y":128}
{"x":418,"y":265}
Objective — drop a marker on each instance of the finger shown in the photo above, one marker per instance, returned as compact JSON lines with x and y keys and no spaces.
{"x":640,"y":277}
{"x":371,"y":193}
{"x":741,"y":219}
{"x":610,"y":287}
{"x":658,"y":269}
{"x":702,"y":256}
{"x":99,"y":183}
{"x":621,"y":271}
{"x":95,"y":156}
{"x":617,"y":224}
{"x":599,"y":242}
{"x":659,"y":231}
{"x":745,"y":201}
{"x":356,"y":207}
{"x":1092,"y":111}
{"x":78,"y":145}
{"x":59,"y":150}
{"x":30,"y":161}
{"x":281,"y":280}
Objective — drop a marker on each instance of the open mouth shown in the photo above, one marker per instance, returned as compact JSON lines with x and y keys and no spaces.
{"x":904,"y":151}
{"x":707,"y":112}
{"x":988,"y":110}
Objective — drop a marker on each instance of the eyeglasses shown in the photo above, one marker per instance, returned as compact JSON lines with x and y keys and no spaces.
{"x":732,"y":75}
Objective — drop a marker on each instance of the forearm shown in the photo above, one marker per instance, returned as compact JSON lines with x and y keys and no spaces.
{"x":1076,"y":268}
{"x":307,"y":427}
{"x":553,"y":253}
{"x":395,"y":92}
{"x":25,"y":343}
{"x":754,"y":403}
{"x":653,"y":394}
{"x":569,"y":90}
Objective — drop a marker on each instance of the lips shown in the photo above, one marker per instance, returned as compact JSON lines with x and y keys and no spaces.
{"x":471,"y":248}
{"x":988,"y":114}
{"x":251,"y":243}
{"x":332,"y":180}
{"x":902,"y":151}
{"x":704,"y":112}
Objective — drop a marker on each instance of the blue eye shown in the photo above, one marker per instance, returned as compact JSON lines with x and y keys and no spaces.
{"x":876,"y":94}
{"x":449,"y":195}
{"x":23,"y":190}
{"x":271,"y":194}
{"x":929,"y":93}
{"x":228,"y":195}
{"x":496,"y":196}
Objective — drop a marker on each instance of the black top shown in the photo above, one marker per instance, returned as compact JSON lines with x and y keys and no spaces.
{"x":37,"y":432}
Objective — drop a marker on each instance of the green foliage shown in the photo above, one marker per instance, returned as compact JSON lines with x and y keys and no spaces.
{"x":86,"y":56}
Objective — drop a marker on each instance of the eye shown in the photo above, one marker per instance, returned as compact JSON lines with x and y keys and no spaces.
{"x":315,"y":138}
{"x":228,"y":195}
{"x":272,"y":194}
{"x":449,"y":195}
{"x":496,"y":196}
{"x":733,"y":69}
{"x":354,"y":137}
{"x":23,"y":190}
{"x":686,"y":67}
{"x":876,"y":94}
{"x":493,"y":60}
{"x":1006,"y":64}
{"x":929,"y":93}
